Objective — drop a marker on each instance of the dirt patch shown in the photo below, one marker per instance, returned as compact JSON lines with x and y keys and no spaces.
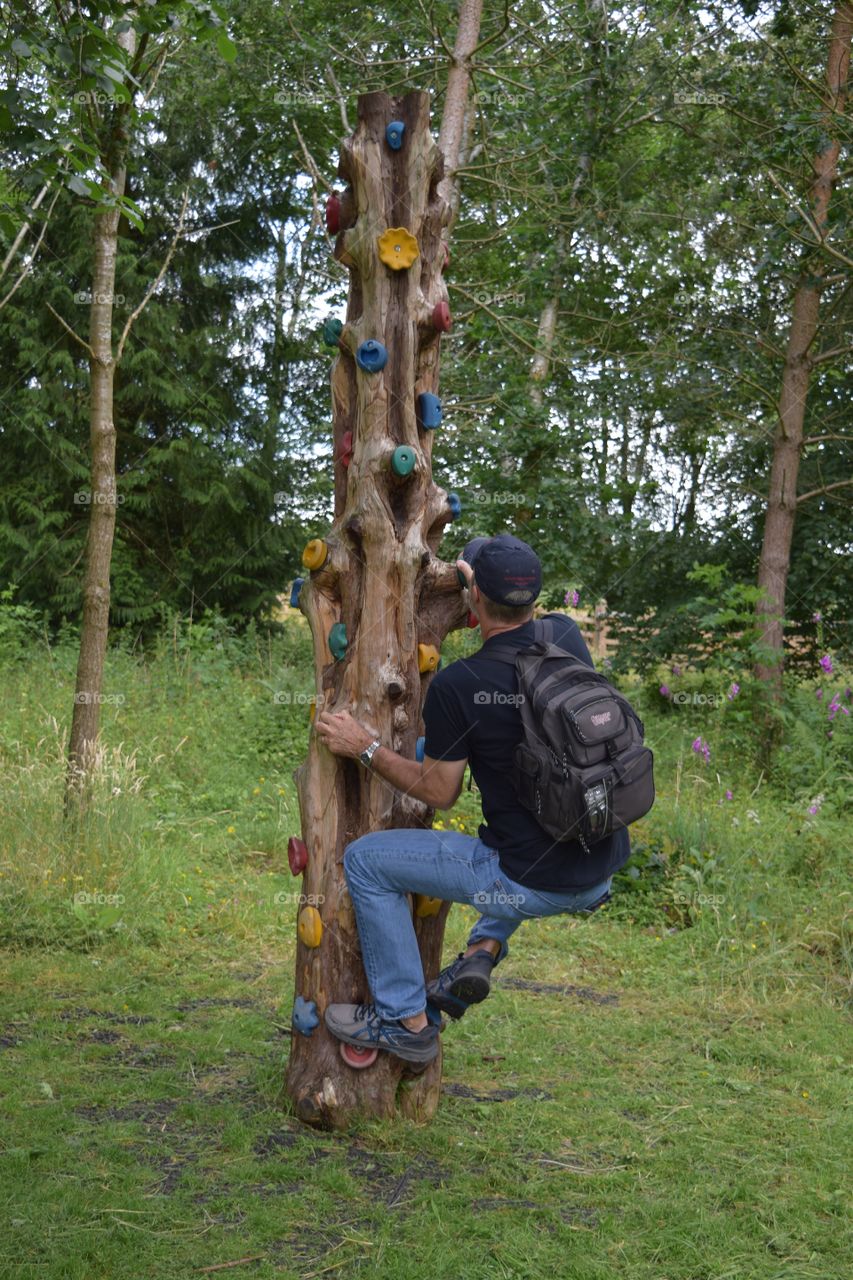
{"x":99,"y":1036}
{"x":131,"y":1019}
{"x":495,"y":1095}
{"x":146,"y":1112}
{"x":551,"y":989}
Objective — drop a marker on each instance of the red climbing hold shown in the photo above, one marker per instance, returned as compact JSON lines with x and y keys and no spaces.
{"x":333,"y":214}
{"x":297,"y":855}
{"x":358,"y":1058}
{"x":441,"y":319}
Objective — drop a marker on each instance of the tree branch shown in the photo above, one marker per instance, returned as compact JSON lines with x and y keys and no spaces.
{"x":827,"y":488}
{"x":134,"y":315}
{"x":68,"y":329}
{"x":28,"y":266}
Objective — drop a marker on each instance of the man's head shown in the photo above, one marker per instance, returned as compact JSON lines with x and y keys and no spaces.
{"x":507,"y":578}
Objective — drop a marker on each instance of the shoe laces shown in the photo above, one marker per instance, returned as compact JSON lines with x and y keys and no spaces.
{"x":366,"y":1013}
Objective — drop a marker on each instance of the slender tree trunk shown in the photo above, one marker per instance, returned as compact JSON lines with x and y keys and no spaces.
{"x":94,"y":628}
{"x":382,"y":580}
{"x":455,"y":115}
{"x":787,"y":444}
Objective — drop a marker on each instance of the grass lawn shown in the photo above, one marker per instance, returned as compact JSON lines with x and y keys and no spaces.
{"x":660,"y":1092}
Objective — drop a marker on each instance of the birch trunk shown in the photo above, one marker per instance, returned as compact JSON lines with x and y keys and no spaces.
{"x":788,"y":441}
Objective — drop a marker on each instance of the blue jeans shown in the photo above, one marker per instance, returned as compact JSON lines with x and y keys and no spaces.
{"x":383,"y":867}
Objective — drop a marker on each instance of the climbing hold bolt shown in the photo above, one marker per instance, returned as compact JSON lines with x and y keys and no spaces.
{"x":428,"y":658}
{"x":333,"y":214}
{"x":441,"y":318}
{"x":429,"y":410}
{"x":398,"y":248}
{"x":294,"y":592}
{"x":402,"y":460}
{"x":315,"y":553}
{"x":297,"y":855}
{"x":454,"y":502}
{"x":371,"y":356}
{"x":338,"y":640}
{"x":426,"y":906}
{"x":419,"y":748}
{"x":332,"y":330}
{"x":345,"y":454}
{"x":310,"y":927}
{"x":394,"y":134}
{"x":304,"y":1017}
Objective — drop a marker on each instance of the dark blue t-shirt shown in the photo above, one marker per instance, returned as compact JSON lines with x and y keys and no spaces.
{"x":470,"y":713}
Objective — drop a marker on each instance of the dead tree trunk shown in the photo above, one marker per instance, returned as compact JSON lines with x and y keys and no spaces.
{"x":788,"y":441}
{"x":377,"y":574}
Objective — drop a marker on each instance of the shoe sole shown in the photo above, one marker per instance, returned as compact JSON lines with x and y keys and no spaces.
{"x":447,"y":1004}
{"x":472,"y":989}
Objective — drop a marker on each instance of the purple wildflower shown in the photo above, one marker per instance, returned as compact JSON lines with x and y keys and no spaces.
{"x":834,"y":708}
{"x":818,"y":693}
{"x":814,"y":807}
{"x":733,"y":691}
{"x":817,"y":617}
{"x":701,"y":748}
{"x":664,"y":691}
{"x":676,"y":669}
{"x":729,"y":795}
{"x":826,"y":663}
{"x":572,"y":598}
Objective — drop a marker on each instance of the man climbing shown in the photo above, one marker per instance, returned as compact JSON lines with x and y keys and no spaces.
{"x":512,"y":871}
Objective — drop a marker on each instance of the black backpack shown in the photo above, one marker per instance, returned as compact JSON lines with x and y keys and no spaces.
{"x":581,"y":767}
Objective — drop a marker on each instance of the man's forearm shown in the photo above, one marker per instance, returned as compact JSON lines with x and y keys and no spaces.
{"x":405,"y":775}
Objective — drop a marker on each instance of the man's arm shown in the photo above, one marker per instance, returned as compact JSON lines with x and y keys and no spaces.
{"x":434,"y":782}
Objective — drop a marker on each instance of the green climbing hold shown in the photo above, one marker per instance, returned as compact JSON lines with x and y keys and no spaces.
{"x":332,"y":330}
{"x":338,"y":640}
{"x":403,"y":460}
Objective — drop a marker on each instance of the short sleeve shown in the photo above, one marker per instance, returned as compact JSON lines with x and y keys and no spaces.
{"x":445,"y":727}
{"x":569,"y":637}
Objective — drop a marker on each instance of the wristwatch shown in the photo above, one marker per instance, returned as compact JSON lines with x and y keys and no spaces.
{"x":369,"y":752}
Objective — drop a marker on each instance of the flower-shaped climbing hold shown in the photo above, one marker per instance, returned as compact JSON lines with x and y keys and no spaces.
{"x":398,"y":248}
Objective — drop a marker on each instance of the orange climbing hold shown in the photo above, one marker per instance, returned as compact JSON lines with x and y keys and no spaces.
{"x":310,"y":927}
{"x":315,"y":553}
{"x":428,"y":657}
{"x":426,"y":906}
{"x":398,"y":248}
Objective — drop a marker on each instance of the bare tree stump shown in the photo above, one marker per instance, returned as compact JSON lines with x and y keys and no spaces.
{"x":381,"y":578}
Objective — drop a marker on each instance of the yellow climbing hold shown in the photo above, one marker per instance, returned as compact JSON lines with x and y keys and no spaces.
{"x":315,"y":553}
{"x":310,"y":927}
{"x":398,"y":248}
{"x":425,"y":906}
{"x":428,"y":657}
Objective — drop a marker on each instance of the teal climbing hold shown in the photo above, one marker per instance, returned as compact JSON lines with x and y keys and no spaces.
{"x":403,"y":460}
{"x":338,"y":640}
{"x":332,"y":330}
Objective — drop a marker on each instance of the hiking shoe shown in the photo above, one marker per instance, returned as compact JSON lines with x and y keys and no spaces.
{"x":465,"y":982}
{"x":361,"y":1025}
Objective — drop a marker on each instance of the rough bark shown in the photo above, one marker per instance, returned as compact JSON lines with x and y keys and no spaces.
{"x":94,"y":627}
{"x":788,"y":440}
{"x":382,"y":579}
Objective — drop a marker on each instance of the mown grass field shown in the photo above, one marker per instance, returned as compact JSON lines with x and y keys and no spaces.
{"x":660,"y":1092}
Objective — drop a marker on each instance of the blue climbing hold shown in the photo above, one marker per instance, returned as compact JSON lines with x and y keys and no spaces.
{"x":394,"y":134}
{"x":429,"y":410}
{"x":419,"y":748}
{"x":305,"y":1017}
{"x":455,"y":504}
{"x":371,"y":356}
{"x":294,"y":592}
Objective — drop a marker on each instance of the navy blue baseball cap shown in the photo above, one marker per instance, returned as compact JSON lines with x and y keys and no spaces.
{"x":506,"y":569}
